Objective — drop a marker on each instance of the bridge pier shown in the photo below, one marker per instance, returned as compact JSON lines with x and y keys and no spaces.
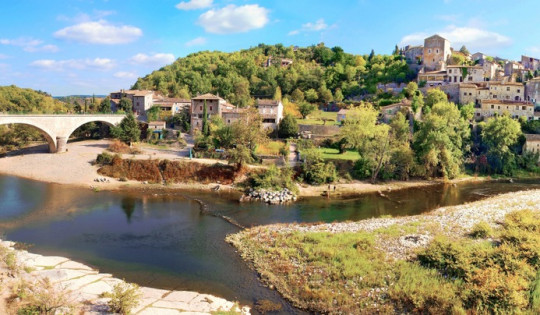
{"x":61,"y":144}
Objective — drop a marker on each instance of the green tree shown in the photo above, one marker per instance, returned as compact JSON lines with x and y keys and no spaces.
{"x":297,"y":95}
{"x":396,"y":51}
{"x":277,"y":94}
{"x":440,"y":141}
{"x":77,"y":107}
{"x":125,"y":105}
{"x":306,"y":108}
{"x":435,"y":96}
{"x":371,"y":55}
{"x":105,"y":105}
{"x":240,"y":155}
{"x":153,"y":113}
{"x":338,"y":95}
{"x":467,"y":111}
{"x":205,"y":125}
{"x":288,"y":127}
{"x":315,"y":170}
{"x":128,"y":130}
{"x":464,"y":50}
{"x":411,"y":89}
{"x":325,"y":94}
{"x":311,"y":95}
{"x":500,"y":134}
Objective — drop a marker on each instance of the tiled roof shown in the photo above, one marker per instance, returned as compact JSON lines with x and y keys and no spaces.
{"x":507,"y":102}
{"x":343,"y":111}
{"x":207,"y":96}
{"x":532,"y":137}
{"x":268,"y":102}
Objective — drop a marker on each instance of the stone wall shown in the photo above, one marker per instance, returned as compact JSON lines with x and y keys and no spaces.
{"x":319,"y":130}
{"x":452,"y":90}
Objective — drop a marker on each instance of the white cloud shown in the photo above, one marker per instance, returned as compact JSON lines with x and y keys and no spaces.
{"x":78,"y":64}
{"x":196,"y":42}
{"x":319,"y":25}
{"x":29,"y":44}
{"x":158,"y":59}
{"x":125,"y":75}
{"x":194,"y":4}
{"x":99,"y":32}
{"x":233,"y":19}
{"x":474,"y":38}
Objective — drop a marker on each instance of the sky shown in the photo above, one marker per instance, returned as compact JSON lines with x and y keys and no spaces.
{"x":100,"y":46}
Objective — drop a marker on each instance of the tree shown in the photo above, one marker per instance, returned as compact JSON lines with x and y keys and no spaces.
{"x":338,"y":95}
{"x":311,"y":95}
{"x":153,"y":113}
{"x":440,"y":141}
{"x":315,"y":170}
{"x":183,"y":119}
{"x":288,"y":127}
{"x":105,"y":105}
{"x":396,"y":51}
{"x":128,"y":130}
{"x":305,"y":109}
{"x":417,"y":101}
{"x":240,"y":155}
{"x":77,"y":107}
{"x":435,"y":96}
{"x":371,"y":55}
{"x":500,"y":134}
{"x":326,"y":94}
{"x":277,"y":94}
{"x":410,"y":89}
{"x":467,"y":111}
{"x":464,"y":50}
{"x":125,"y":105}
{"x":297,"y":95}
{"x":205,"y":126}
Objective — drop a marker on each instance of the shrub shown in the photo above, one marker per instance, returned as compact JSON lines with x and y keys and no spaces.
{"x":123,"y":298}
{"x":273,"y":179}
{"x":104,"y":159}
{"x":118,"y":146}
{"x":43,"y":297}
{"x":265,"y":306}
{"x":481,"y":230}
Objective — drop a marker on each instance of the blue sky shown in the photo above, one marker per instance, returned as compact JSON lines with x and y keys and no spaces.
{"x":98,"y":46}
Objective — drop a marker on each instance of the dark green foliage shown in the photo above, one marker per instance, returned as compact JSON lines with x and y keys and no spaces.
{"x":273,"y":179}
{"x":205,"y":125}
{"x":182,"y":119}
{"x":105,"y":105}
{"x":241,"y":75}
{"x":306,"y":108}
{"x":18,"y":100}
{"x":288,"y":127}
{"x":125,"y":105}
{"x":128,"y":130}
{"x":315,"y":171}
{"x":104,"y":159}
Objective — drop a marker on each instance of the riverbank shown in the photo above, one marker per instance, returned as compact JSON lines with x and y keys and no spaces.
{"x":76,"y":168}
{"x":69,"y":285}
{"x":407,"y":264}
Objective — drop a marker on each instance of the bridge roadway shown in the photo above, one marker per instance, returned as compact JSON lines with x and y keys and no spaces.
{"x":58,"y":128}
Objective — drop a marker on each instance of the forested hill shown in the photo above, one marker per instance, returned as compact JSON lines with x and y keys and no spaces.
{"x":317,"y":73}
{"x":14,"y":99}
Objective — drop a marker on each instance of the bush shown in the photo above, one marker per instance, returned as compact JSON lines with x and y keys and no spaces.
{"x":43,"y":297}
{"x":273,"y":179}
{"x":481,"y":230}
{"x":265,"y":306}
{"x":104,"y":159}
{"x":123,"y":298}
{"x":118,"y":146}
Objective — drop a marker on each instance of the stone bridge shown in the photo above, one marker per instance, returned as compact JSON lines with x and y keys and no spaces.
{"x":58,"y":128}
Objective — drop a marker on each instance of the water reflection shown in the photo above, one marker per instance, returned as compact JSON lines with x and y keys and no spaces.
{"x":128,"y":206}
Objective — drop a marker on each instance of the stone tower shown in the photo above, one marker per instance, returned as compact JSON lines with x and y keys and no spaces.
{"x":436,"y":52}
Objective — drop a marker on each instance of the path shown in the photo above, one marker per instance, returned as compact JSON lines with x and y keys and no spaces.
{"x":293,"y":155}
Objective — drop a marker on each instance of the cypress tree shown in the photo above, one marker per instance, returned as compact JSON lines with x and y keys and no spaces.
{"x":205,"y":126}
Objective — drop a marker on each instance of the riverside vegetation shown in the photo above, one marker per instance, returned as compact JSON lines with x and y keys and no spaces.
{"x":482,"y":257}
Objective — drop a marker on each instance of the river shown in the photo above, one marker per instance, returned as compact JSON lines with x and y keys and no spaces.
{"x":163,"y":240}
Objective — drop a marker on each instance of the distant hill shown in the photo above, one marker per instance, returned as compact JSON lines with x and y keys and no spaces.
{"x":14,"y":99}
{"x":78,"y":96}
{"x":317,"y":74}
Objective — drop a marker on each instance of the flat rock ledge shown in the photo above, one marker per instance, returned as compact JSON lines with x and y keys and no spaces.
{"x":86,"y":286}
{"x":269,"y":197}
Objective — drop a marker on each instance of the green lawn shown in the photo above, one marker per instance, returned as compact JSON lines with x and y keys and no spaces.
{"x":316,"y":117}
{"x":333,"y":154}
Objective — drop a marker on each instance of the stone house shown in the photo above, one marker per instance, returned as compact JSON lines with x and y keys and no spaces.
{"x":389,"y":111}
{"x":171,"y":106}
{"x":507,"y":91}
{"x":215,"y":105}
{"x":271,"y":112}
{"x":341,"y":115}
{"x":491,"y":70}
{"x":413,"y":54}
{"x":456,"y":74}
{"x":142,"y":100}
{"x":231,"y":115}
{"x":530,"y":63}
{"x":433,"y":78}
{"x":516,"y":109}
{"x":436,"y":52}
{"x":512,"y":67}
{"x":479,"y":58}
{"x":532,"y":144}
{"x":532,"y":90}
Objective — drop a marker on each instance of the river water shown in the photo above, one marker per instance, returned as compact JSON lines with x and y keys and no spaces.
{"x":163,"y":240}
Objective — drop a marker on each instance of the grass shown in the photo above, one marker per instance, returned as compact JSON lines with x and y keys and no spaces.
{"x":270,"y":148}
{"x":316,"y":118}
{"x":333,"y":154}
{"x":494,"y":272}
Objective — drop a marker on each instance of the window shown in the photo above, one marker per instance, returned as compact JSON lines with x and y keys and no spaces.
{"x":437,"y":51}
{"x":429,"y":52}
{"x":507,"y":88}
{"x":200,"y":107}
{"x":492,"y":106}
{"x":210,"y":107}
{"x":450,"y":71}
{"x":464,"y":93}
{"x":523,"y":107}
{"x":518,"y":90}
{"x":494,"y":96}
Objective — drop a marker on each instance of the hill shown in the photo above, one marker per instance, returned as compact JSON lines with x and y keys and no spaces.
{"x":316,"y":74}
{"x":14,"y":99}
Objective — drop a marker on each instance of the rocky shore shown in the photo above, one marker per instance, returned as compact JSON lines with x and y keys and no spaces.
{"x":269,"y":197}
{"x":83,"y":287}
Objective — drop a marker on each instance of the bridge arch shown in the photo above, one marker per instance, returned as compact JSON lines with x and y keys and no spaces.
{"x":51,"y":140}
